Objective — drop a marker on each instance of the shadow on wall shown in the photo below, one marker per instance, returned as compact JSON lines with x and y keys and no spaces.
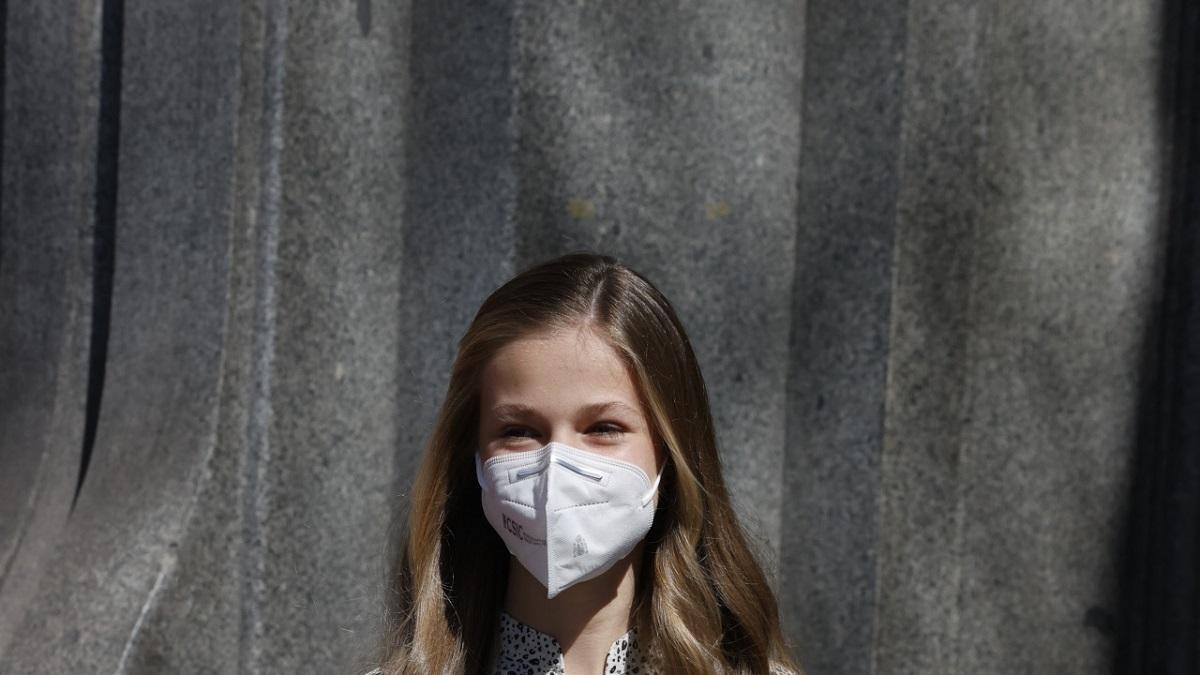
{"x":1159,"y":624}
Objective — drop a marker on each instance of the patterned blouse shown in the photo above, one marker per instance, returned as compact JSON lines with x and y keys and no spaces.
{"x":526,"y":651}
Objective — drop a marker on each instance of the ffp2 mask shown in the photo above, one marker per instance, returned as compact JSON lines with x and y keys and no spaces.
{"x":566,"y":514}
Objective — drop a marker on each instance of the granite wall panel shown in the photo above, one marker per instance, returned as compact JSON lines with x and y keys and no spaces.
{"x":849,"y":173}
{"x":706,"y":211}
{"x":916,"y":245}
{"x":46,"y":270}
{"x":1026,"y":285}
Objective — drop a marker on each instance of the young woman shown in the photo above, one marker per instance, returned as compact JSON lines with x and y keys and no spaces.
{"x":569,"y":513}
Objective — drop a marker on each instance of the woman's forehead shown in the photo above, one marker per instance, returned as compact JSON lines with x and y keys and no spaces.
{"x":558,"y":357}
{"x":560,"y":368}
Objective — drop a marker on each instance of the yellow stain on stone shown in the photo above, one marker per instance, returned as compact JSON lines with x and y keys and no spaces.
{"x":716,"y":210}
{"x":581,"y":208}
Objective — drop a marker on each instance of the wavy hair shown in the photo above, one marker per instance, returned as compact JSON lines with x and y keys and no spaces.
{"x":702,"y":601}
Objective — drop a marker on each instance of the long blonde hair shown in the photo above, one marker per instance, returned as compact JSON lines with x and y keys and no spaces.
{"x":702,"y":604}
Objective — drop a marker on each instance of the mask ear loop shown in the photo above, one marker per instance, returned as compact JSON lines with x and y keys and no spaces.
{"x":479,"y":473}
{"x":653,"y":488}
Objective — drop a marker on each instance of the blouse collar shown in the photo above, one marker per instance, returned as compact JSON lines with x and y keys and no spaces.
{"x":524,"y":649}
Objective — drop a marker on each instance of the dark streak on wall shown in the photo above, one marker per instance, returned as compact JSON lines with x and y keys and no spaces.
{"x":1160,"y":586}
{"x":3,"y":86}
{"x":107,"y":150}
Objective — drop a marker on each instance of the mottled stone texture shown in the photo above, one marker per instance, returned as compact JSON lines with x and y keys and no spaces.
{"x":915,"y":245}
{"x":849,"y":172}
{"x":1027,"y":253}
{"x":45,"y":286}
{"x":668,"y":135}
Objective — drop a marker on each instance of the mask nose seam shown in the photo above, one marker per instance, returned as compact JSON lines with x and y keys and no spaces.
{"x":551,"y":573}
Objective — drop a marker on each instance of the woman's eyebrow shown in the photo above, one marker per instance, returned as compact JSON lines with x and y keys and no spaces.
{"x":606,"y":406}
{"x":517,"y":410}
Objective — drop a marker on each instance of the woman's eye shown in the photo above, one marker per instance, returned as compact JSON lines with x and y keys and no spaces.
{"x":603,"y":429}
{"x":610,"y":429}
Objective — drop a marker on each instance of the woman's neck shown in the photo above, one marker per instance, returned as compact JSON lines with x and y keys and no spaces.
{"x":585,"y":619}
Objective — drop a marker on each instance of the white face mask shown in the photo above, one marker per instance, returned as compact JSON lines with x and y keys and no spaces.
{"x":566,"y":514}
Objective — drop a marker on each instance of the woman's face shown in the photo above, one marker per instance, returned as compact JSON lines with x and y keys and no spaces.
{"x":569,"y":387}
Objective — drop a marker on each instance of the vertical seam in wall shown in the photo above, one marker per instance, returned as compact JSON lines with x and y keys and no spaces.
{"x":789,"y":377}
{"x":517,"y":254}
{"x":901,"y":156}
{"x":263,"y":356}
{"x":970,"y":346}
{"x":965,"y":404}
{"x":104,"y":223}
{"x":3,"y":86}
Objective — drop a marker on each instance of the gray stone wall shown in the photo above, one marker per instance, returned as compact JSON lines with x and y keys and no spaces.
{"x":916,"y":244}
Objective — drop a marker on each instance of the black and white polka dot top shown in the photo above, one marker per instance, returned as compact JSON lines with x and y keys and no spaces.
{"x":525,"y":650}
